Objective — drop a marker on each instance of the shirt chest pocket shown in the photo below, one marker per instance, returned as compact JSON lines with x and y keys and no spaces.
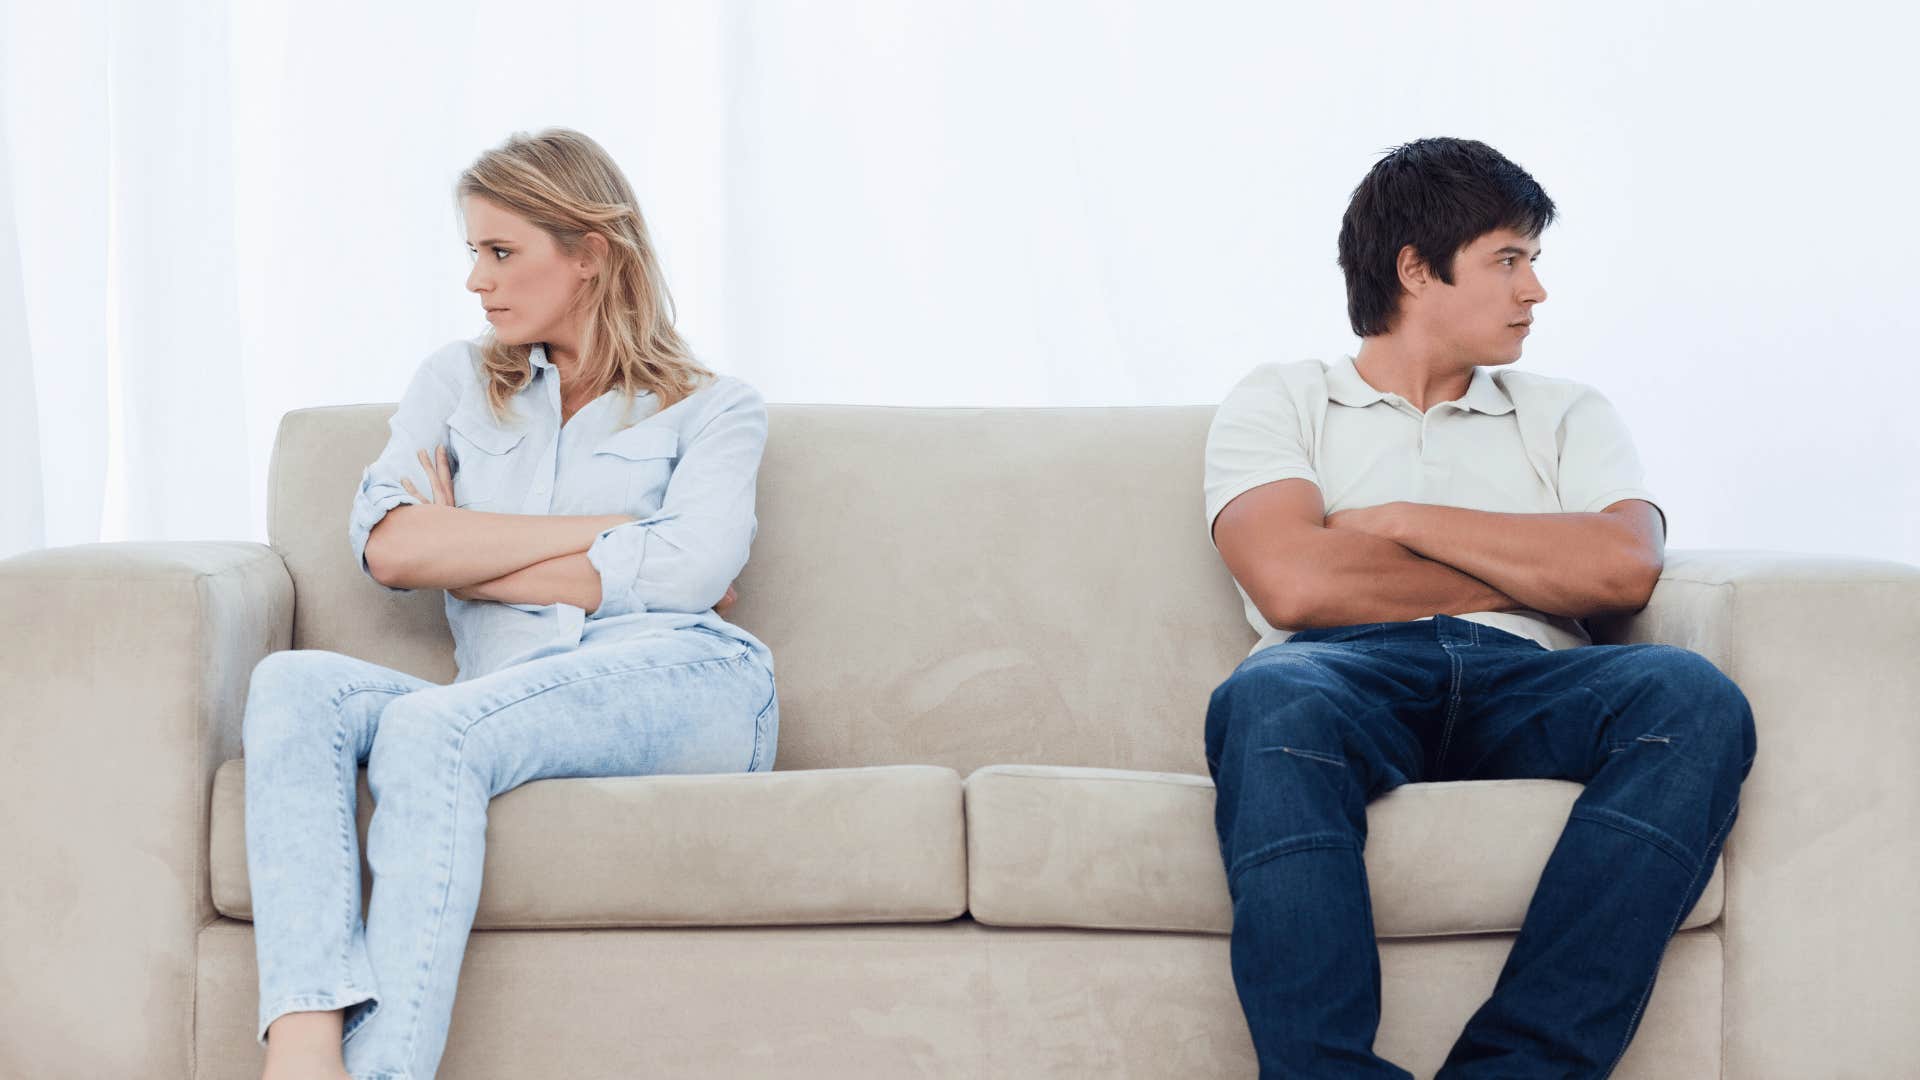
{"x":631,"y":468}
{"x":483,"y":479}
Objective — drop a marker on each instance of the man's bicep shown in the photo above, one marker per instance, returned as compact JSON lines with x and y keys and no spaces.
{"x":1259,"y":529}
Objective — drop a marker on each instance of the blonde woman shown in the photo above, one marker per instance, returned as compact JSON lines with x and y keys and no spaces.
{"x":583,"y":491}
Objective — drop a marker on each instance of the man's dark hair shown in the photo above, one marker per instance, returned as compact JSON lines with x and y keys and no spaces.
{"x":1438,"y":195}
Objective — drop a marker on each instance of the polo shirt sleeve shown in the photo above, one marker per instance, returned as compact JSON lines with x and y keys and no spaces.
{"x":1598,"y":464}
{"x":418,"y":424}
{"x":1257,"y":437}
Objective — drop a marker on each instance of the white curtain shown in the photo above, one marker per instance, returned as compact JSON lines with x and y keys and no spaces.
{"x":214,"y":212}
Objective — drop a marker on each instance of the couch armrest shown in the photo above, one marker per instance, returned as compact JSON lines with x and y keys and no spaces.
{"x":123,"y":676}
{"x":1822,"y":950}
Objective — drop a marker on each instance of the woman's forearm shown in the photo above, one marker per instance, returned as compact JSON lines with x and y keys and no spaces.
{"x":432,"y":546}
{"x":569,"y":579}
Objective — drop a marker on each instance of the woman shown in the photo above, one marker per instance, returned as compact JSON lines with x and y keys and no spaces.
{"x":583,"y":491}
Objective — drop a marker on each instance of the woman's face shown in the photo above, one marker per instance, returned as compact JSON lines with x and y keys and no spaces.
{"x":527,"y":284}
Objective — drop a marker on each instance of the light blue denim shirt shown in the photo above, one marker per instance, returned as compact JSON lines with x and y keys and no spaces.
{"x":687,"y":474}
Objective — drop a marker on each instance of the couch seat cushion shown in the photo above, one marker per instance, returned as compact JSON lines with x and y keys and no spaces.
{"x":1114,"y":849}
{"x":881,"y":844}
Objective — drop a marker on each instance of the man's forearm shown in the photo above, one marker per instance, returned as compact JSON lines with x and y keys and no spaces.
{"x":431,"y":546}
{"x":1562,"y":564}
{"x":569,"y":579}
{"x":1350,"y":578}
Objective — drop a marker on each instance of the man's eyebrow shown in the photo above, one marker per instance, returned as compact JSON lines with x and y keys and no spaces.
{"x":1511,"y":250}
{"x":487,"y":243}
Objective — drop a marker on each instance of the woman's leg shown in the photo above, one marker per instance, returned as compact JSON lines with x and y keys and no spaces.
{"x":686,"y":702}
{"x":309,"y":722}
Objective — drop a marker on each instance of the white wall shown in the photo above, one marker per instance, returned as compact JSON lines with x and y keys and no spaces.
{"x":1052,"y":203}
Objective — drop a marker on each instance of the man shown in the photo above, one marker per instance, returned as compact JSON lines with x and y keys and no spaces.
{"x":1417,"y":534}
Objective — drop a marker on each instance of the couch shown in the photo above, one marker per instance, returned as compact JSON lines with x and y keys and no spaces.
{"x":987,"y":848}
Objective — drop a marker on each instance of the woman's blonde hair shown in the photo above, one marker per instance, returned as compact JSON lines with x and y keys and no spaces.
{"x":564,"y":183}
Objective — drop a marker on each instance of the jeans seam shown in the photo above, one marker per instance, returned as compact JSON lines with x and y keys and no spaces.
{"x":1645,"y":833}
{"x":1308,"y":842}
{"x":1453,"y":708}
{"x":1685,"y":906}
{"x":759,"y":724}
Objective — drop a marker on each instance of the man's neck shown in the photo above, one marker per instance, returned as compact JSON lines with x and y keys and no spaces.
{"x":1397,"y":363}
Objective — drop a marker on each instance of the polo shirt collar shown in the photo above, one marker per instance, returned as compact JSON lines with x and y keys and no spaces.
{"x":1345,"y":385}
{"x":1484,"y":393}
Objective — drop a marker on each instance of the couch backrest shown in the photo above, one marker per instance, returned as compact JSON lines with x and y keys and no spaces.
{"x":953,"y":587}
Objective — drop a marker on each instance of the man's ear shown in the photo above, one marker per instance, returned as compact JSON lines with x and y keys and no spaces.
{"x":1415,"y":274}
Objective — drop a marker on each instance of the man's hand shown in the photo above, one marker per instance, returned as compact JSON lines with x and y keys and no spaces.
{"x":726,"y":602}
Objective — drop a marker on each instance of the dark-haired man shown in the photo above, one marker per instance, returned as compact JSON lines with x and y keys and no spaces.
{"x":1417,"y":534}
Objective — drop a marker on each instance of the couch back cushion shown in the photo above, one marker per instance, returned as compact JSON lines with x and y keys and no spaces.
{"x":956,"y":587}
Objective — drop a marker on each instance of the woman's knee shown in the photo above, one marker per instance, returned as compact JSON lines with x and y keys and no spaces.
{"x":282,"y":686}
{"x":417,"y":732}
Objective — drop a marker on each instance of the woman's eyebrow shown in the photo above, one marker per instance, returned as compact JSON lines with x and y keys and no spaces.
{"x":485,"y":243}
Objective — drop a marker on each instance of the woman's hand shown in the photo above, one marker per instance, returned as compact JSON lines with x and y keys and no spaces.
{"x":439,"y":473}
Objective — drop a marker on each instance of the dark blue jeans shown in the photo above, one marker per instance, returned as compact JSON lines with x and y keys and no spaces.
{"x":1305,"y":733}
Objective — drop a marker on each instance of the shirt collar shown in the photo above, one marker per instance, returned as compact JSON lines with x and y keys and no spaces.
{"x":1345,"y":385}
{"x":1484,"y":393}
{"x":538,"y":357}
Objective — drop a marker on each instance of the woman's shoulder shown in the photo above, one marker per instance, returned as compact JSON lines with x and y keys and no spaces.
{"x":720,"y":392}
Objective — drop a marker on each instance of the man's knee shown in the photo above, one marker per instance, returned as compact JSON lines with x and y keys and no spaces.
{"x":1699,"y":704}
{"x":1288,"y":699}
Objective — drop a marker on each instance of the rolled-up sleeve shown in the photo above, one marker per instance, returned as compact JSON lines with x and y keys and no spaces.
{"x":684,"y":557}
{"x":418,"y":424}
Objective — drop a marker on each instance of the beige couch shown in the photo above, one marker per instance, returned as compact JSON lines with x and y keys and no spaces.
{"x":988,"y":850}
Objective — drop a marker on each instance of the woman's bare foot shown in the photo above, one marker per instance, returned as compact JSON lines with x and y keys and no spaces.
{"x":305,"y":1046}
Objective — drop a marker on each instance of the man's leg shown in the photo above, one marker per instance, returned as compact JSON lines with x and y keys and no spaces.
{"x":1299,"y":739}
{"x":1662,"y":741}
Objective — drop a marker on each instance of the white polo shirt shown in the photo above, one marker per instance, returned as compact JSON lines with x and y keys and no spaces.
{"x":1516,"y":443}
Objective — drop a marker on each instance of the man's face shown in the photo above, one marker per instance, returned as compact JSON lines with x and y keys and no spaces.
{"x":521,"y":272}
{"x":1484,"y":316}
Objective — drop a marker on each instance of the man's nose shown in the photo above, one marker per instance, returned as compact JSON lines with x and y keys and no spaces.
{"x":1533,"y":292}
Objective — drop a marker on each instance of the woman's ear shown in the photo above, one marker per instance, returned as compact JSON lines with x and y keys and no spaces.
{"x":593,"y":255}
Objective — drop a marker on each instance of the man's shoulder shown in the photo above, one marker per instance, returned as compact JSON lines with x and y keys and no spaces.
{"x":1298,"y":381}
{"x":1289,"y":373}
{"x":1537,"y":393}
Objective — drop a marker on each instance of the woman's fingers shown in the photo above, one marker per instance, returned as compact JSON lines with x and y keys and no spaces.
{"x":445,"y":472}
{"x":442,"y":489}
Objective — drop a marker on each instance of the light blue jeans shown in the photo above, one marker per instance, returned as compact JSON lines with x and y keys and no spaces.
{"x":690,"y":701}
